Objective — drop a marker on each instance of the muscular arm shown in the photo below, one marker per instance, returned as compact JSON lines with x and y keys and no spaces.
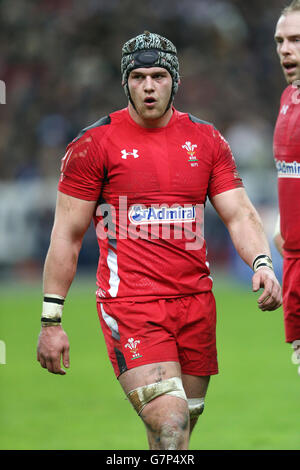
{"x":72,"y":219}
{"x":243,"y":223}
{"x":248,"y":236}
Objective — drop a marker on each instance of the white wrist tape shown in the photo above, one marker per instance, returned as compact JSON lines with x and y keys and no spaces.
{"x":262,"y":261}
{"x":53,"y":305}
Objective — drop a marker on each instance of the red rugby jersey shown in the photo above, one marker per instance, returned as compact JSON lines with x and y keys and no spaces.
{"x":287,"y":158}
{"x":150,"y":186}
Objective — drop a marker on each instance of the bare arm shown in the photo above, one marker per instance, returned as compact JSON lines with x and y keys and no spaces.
{"x":248,"y":236}
{"x":72,"y":219}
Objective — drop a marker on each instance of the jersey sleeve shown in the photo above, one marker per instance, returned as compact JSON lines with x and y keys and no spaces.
{"x":82,"y":169}
{"x":224,"y":175}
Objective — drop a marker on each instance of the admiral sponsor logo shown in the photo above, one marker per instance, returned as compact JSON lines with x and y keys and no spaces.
{"x":288,"y":169}
{"x":153,"y":222}
{"x":139,"y":214}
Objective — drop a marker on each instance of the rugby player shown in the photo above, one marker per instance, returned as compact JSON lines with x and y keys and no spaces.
{"x":140,"y":173}
{"x":287,"y":158}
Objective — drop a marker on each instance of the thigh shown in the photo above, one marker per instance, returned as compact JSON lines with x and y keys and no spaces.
{"x":137,"y":334}
{"x":195,"y":386}
{"x":197,"y":336}
{"x":149,"y":374}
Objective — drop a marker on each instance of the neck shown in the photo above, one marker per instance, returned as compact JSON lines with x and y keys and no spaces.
{"x":162,"y":121}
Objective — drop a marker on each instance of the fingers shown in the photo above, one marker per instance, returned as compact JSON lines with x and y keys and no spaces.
{"x":270,"y":299}
{"x":256,"y":283}
{"x":66,"y":358}
{"x":53,"y":346}
{"x":271,"y":296}
{"x":52,"y":363}
{"x":52,"y":366}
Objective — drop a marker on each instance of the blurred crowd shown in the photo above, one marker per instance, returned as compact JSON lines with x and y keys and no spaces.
{"x":60,"y":62}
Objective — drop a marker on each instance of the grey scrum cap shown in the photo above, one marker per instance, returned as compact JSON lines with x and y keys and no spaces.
{"x":149,"y":50}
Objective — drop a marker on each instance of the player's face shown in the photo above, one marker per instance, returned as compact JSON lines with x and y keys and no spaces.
{"x":150,"y":90}
{"x":287,"y":37}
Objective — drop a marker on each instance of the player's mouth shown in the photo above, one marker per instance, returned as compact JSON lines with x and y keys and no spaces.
{"x":149,"y":101}
{"x":289,"y":67}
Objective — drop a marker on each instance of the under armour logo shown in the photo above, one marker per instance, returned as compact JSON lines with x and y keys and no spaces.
{"x":284,"y":109}
{"x":134,"y":153}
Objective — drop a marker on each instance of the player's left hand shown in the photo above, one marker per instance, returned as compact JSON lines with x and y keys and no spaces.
{"x":271,"y":297}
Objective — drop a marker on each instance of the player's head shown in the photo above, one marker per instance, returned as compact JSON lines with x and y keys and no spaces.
{"x":287,"y":37}
{"x":146,"y":51}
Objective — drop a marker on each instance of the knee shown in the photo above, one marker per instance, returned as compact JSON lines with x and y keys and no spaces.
{"x":164,"y":409}
{"x":173,"y":432}
{"x":167,"y":423}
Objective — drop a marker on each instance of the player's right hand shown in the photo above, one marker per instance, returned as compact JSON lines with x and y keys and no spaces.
{"x":271,"y":297}
{"x":53,"y":345}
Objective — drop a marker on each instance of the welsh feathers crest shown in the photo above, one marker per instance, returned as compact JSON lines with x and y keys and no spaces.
{"x":132,"y":345}
{"x":189,"y":147}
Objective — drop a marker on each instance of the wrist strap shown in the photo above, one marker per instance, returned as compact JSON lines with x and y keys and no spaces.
{"x":52,"y":309}
{"x":261,"y":261}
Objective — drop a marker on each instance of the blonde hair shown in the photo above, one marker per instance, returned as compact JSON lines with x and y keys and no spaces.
{"x":294,"y":6}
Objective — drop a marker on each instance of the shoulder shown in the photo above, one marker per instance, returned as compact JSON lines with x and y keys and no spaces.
{"x":198,"y":121}
{"x":208,"y":136}
{"x":93,"y":128}
{"x":102,"y":126}
{"x":84,"y":145}
{"x":200,"y":125}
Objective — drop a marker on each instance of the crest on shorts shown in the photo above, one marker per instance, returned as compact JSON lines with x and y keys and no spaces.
{"x":132,"y":345}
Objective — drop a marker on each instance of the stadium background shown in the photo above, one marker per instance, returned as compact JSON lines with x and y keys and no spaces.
{"x":60,"y":62}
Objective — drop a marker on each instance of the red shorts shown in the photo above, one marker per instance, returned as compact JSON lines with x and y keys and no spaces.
{"x":179,"y":329}
{"x":291,"y":298}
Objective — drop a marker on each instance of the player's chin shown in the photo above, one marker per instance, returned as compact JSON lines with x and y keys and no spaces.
{"x":292,"y":78}
{"x":152,"y":113}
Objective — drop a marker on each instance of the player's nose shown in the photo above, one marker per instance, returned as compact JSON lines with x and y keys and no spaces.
{"x":285,"y":47}
{"x":148,"y":84}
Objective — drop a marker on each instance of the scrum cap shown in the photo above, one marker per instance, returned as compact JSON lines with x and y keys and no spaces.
{"x":149,"y":50}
